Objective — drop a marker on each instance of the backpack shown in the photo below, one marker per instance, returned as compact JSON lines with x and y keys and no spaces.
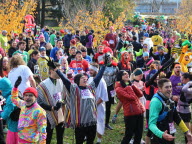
{"x":163,"y":113}
{"x":15,"y":114}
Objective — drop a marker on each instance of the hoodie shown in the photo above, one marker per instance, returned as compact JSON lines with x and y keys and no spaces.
{"x":5,"y":87}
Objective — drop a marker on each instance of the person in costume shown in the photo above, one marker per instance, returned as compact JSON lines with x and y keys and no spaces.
{"x":157,"y":40}
{"x":33,"y":128}
{"x":101,"y":98}
{"x":82,"y":103}
{"x":42,"y":63}
{"x":10,"y":113}
{"x":51,"y":93}
{"x":109,"y":77}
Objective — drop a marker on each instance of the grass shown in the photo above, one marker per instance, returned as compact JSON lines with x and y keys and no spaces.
{"x":113,"y":136}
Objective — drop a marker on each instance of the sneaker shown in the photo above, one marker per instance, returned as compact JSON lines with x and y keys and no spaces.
{"x":107,"y":126}
{"x":114,"y":119}
{"x":142,"y":142}
{"x":131,"y":142}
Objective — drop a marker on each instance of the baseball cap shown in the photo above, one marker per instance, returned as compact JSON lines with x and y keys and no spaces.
{"x":42,"y":49}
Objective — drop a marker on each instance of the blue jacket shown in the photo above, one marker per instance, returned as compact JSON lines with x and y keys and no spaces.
{"x":5,"y":87}
{"x":47,"y":38}
{"x":53,"y":53}
{"x":66,"y":40}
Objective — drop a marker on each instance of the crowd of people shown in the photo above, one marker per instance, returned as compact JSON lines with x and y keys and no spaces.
{"x":58,"y":79}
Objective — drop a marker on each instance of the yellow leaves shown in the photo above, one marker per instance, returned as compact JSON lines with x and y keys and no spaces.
{"x":184,"y":18}
{"x":96,"y":21}
{"x":12,"y":14}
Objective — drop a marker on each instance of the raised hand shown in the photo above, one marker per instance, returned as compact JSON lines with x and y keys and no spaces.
{"x":18,"y":82}
{"x":50,"y":63}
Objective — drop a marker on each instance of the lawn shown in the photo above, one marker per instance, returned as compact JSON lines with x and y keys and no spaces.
{"x":113,"y":136}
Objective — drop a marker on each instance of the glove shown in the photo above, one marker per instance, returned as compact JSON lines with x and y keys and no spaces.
{"x":50,"y":63}
{"x":58,"y":106}
{"x":18,"y":82}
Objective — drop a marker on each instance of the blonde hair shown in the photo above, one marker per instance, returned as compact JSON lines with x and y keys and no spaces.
{"x":16,"y":60}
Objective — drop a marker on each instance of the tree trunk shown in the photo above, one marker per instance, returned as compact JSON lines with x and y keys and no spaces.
{"x":43,"y":14}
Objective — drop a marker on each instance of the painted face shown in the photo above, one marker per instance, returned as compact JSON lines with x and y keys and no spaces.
{"x":29,"y":99}
{"x":166,"y":90}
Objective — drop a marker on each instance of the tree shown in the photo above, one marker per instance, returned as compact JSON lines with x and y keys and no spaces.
{"x":184,"y":18}
{"x":12,"y":13}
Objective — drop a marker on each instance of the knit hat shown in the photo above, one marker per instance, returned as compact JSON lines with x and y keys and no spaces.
{"x":73,"y":41}
{"x":145,"y":54}
{"x":77,"y":78}
{"x":78,"y":52}
{"x":31,"y":90}
{"x":41,"y":36}
{"x":105,"y":43}
{"x":138,"y":72}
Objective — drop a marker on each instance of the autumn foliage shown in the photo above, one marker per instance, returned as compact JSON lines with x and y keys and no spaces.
{"x":96,"y":21}
{"x":184,"y":18}
{"x":12,"y":14}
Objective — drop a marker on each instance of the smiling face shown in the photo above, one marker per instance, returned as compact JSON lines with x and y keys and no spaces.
{"x":29,"y":99}
{"x":166,"y":89}
{"x":125,"y":76}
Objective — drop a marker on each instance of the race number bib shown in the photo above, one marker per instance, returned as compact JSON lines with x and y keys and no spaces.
{"x":86,"y":94}
{"x":111,"y":42}
{"x":57,"y":96}
{"x":172,"y":128}
{"x":113,"y":93}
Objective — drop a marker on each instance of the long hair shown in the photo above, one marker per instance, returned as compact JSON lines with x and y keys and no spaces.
{"x":16,"y":60}
{"x":2,"y":68}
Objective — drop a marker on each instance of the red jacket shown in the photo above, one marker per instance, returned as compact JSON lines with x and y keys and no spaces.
{"x":129,"y":96}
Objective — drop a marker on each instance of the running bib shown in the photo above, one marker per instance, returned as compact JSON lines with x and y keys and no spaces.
{"x":172,"y":128}
{"x":113,"y":93}
{"x":86,"y":94}
{"x":57,"y":96}
{"x":111,"y":42}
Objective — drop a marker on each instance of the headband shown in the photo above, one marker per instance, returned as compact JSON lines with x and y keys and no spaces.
{"x":138,"y":72}
{"x":177,"y":65}
{"x":94,"y":68}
